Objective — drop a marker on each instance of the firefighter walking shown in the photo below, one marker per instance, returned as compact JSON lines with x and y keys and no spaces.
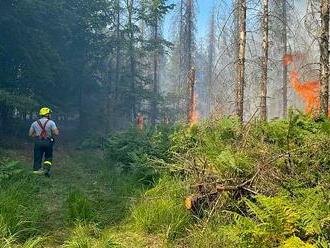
{"x":43,"y":131}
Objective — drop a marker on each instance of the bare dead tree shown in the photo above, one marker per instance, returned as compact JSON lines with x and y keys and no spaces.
{"x":210,"y":62}
{"x":240,"y":82}
{"x":191,"y":80}
{"x":324,"y":57}
{"x":264,"y":62}
{"x":180,"y":45}
{"x":185,"y":49}
{"x":285,"y":66}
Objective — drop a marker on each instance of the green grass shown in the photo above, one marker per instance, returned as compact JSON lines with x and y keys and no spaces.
{"x":20,"y":211}
{"x":134,"y":195}
{"x":84,"y":191}
{"x":20,"y":208}
{"x":88,"y":236}
{"x":161,"y":209}
{"x":79,"y":207}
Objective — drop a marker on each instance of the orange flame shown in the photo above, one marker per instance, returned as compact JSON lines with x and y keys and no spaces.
{"x":140,"y":121}
{"x":291,"y":58}
{"x":193,"y":113}
{"x":287,"y":59}
{"x":308,"y":91}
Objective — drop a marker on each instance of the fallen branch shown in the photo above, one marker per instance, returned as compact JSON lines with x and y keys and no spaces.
{"x":202,"y":200}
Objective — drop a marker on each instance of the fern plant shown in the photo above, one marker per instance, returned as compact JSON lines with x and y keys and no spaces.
{"x":283,"y":221}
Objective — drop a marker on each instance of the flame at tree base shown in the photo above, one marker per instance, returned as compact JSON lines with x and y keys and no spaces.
{"x":193,"y":114}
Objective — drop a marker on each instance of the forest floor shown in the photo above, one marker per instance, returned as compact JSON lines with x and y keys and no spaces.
{"x":111,"y":195}
{"x":131,"y":194}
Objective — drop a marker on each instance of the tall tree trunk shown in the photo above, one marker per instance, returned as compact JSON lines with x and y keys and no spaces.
{"x":154,"y":107}
{"x":181,"y":41}
{"x":210,"y":64}
{"x":113,"y":99}
{"x":285,"y":66}
{"x":117,"y":73}
{"x":189,"y":46}
{"x":132,"y":64}
{"x":189,"y":33}
{"x":264,"y":63}
{"x":240,"y":83}
{"x":324,"y":57}
{"x":191,"y":117}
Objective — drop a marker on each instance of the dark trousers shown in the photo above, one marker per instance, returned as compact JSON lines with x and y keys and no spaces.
{"x":42,"y":148}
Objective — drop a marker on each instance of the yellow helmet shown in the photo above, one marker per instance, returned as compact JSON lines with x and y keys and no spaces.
{"x":45,"y":111}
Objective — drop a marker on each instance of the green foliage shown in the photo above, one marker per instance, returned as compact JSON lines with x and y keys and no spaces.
{"x":295,"y":242}
{"x":20,"y":212}
{"x":136,"y":150}
{"x":11,"y":242}
{"x":214,"y":146}
{"x":79,"y":207}
{"x":292,"y":149}
{"x":88,"y":236}
{"x":91,"y":142}
{"x":161,"y":209}
{"x":8,"y":168}
{"x":19,"y":102}
{"x":287,"y":158}
{"x":279,"y":221}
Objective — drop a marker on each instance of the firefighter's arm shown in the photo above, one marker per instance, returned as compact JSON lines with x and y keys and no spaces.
{"x":55,"y":131}
{"x":32,"y":133}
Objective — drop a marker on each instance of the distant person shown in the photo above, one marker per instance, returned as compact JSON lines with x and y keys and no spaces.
{"x":43,"y":132}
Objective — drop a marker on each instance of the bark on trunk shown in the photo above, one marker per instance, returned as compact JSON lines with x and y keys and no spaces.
{"x":132,"y":99}
{"x":189,"y":44}
{"x":264,"y":63}
{"x":181,"y":41}
{"x":210,"y":69}
{"x":285,"y":66}
{"x":192,"y":104}
{"x":154,"y":107}
{"x":241,"y":60}
{"x":117,"y":74}
{"x":324,"y":57}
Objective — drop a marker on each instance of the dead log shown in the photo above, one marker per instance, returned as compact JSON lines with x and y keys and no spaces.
{"x":209,"y":193}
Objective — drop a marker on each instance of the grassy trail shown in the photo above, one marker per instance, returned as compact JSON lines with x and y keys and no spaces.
{"x":87,"y":202}
{"x":110,"y":193}
{"x":70,"y":173}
